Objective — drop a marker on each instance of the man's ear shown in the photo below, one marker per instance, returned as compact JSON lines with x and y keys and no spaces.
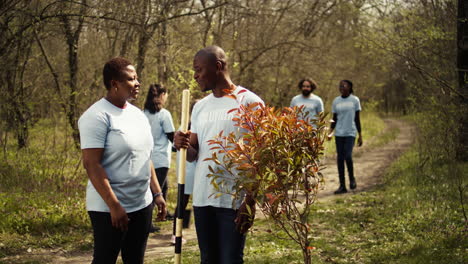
{"x":219,"y":66}
{"x":113,"y":83}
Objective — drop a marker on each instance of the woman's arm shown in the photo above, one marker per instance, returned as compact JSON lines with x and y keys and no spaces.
{"x":333,"y":125}
{"x":170,"y":136}
{"x":357,"y":121}
{"x":97,"y":175}
{"x":158,"y":198}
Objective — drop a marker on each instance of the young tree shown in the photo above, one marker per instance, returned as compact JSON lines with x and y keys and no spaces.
{"x":276,"y":159}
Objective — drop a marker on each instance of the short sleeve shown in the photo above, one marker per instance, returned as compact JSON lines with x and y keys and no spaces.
{"x":167,"y":123}
{"x":93,"y":130}
{"x":193,"y":120}
{"x":334,"y":107}
{"x":357,"y":105}
{"x":320,"y":106}
{"x":252,"y":98}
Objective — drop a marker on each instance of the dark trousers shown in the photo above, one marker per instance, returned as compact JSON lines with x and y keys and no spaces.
{"x":161,"y":174}
{"x":218,"y":239}
{"x":344,"y":150}
{"x":109,"y":241}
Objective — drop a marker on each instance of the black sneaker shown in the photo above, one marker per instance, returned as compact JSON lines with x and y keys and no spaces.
{"x":341,"y":190}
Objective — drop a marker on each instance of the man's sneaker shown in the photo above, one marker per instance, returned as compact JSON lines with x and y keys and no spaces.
{"x":173,"y":239}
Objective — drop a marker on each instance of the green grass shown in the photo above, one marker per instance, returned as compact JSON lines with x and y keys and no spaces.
{"x":414,"y":218}
{"x":42,"y":192}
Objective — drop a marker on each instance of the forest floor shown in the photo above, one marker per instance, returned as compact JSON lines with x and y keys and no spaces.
{"x":370,"y":162}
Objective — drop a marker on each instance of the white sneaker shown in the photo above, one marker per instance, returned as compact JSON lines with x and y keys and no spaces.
{"x":173,"y":238}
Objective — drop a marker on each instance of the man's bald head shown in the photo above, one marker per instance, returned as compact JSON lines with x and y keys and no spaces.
{"x":212,"y":55}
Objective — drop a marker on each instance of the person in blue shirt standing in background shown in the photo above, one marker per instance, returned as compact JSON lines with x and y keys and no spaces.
{"x":346,"y":109}
{"x":162,"y":129}
{"x":311,"y":102}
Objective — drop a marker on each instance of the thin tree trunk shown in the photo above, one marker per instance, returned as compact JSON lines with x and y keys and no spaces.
{"x":163,"y":71}
{"x":462,"y":63}
{"x":73,"y":37}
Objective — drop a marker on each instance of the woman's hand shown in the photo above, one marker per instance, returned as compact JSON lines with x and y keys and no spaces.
{"x":359,"y":141}
{"x":119,"y":217}
{"x":161,"y":204}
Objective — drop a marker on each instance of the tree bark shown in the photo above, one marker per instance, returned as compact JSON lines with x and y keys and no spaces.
{"x":462,"y":64}
{"x":72,"y":35}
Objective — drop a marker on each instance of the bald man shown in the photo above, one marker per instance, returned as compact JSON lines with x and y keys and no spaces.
{"x":220,"y":226}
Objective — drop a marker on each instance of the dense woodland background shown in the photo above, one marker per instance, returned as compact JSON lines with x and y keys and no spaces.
{"x":400,"y":54}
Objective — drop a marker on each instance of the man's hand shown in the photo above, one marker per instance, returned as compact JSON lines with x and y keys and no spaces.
{"x":182,"y":140}
{"x":245,"y":217}
{"x":119,"y":217}
{"x":330,"y":136}
{"x":161,"y":204}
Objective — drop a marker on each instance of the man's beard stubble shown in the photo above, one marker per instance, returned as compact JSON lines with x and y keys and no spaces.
{"x":306,"y":92}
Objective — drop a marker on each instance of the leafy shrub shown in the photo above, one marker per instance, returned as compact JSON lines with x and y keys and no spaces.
{"x":274,"y":157}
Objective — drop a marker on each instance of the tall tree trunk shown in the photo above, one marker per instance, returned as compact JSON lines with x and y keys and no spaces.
{"x":462,"y":64}
{"x":142,"y":48}
{"x":18,"y":109}
{"x":163,"y":71}
{"x":72,"y":35}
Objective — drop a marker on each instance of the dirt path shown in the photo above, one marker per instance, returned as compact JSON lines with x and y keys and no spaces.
{"x":369,"y":162}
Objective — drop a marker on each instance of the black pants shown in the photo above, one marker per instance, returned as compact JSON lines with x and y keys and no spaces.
{"x":109,"y":241}
{"x":218,"y":239}
{"x":344,"y":151}
{"x":161,"y":174}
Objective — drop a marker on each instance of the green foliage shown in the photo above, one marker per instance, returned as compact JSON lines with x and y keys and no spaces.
{"x":403,"y":221}
{"x":43,"y":220}
{"x":42,"y":190}
{"x":275,"y":159}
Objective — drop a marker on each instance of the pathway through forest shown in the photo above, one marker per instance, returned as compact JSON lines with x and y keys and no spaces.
{"x":370,"y":164}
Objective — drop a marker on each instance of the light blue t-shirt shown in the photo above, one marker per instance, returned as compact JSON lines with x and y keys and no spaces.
{"x":161,"y":123}
{"x":345,"y":109}
{"x":209,"y":117}
{"x":125,"y":136}
{"x":312,"y":104}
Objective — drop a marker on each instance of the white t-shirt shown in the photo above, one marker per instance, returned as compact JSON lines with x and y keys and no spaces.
{"x":125,"y":136}
{"x":345,"y":109}
{"x":312,"y":104}
{"x":161,"y":123}
{"x":209,"y":117}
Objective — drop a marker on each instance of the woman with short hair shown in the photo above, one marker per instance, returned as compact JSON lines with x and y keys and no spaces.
{"x":116,"y":147}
